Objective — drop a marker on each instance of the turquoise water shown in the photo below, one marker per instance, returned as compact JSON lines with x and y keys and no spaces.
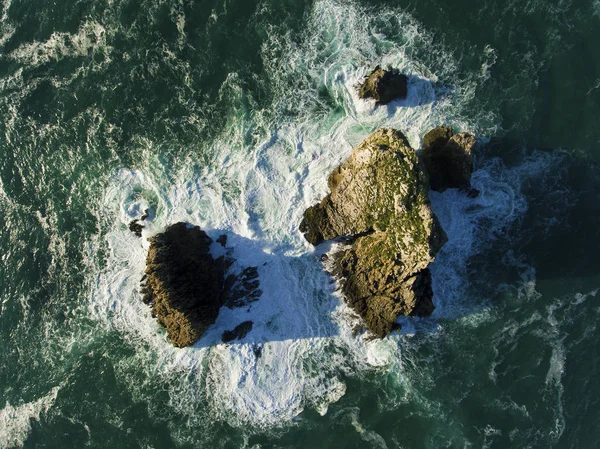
{"x":230,"y":115}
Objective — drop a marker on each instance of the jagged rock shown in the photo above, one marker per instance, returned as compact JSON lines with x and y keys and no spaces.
{"x":136,"y":227}
{"x":379,"y":198}
{"x":184,"y":284}
{"x":384,"y":85}
{"x":448,"y":159}
{"x":240,"y":331}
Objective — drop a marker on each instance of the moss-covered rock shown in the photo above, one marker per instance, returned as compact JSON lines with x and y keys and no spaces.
{"x":184,"y":284}
{"x":448,"y":158}
{"x":379,"y":197}
{"x":384,"y":85}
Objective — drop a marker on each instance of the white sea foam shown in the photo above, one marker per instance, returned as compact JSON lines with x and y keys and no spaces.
{"x":15,"y":422}
{"x":91,"y":35}
{"x":7,"y":29}
{"x":256,"y":194}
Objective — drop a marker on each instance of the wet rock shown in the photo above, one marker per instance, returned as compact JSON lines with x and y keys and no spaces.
{"x":184,"y":284}
{"x":222,"y":240}
{"x":384,"y":85}
{"x":242,"y":289}
{"x":136,"y":227}
{"x":379,"y":201}
{"x":448,"y":159}
{"x":473,"y":193}
{"x":239,"y":332}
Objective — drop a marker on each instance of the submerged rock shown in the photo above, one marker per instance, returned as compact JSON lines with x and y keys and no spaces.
{"x":240,"y":331}
{"x":184,"y":283}
{"x":448,"y":158}
{"x":379,"y":198}
{"x":384,"y":85}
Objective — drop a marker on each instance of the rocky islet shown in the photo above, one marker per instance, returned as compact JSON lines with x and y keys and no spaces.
{"x":186,"y":286}
{"x":378,"y":203}
{"x":379,"y":199}
{"x":448,"y":158}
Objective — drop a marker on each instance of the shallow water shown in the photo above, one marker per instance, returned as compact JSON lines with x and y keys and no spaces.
{"x":230,"y":115}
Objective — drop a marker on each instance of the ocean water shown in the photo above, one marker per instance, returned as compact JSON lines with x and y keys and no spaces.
{"x":230,"y":114}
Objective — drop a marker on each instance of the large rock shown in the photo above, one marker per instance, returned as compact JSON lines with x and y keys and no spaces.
{"x":379,"y":199}
{"x":384,"y":85}
{"x":184,"y":284}
{"x":448,"y":158}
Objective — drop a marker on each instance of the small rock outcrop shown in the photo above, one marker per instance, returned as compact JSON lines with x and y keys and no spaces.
{"x":136,"y":227}
{"x":448,"y":158}
{"x":379,"y":199}
{"x":384,"y":85}
{"x":183,"y":282}
{"x":240,"y":331}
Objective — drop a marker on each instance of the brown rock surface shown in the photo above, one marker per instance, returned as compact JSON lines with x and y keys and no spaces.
{"x":379,"y":198}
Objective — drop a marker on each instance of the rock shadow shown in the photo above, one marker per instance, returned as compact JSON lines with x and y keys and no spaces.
{"x":551,"y":246}
{"x":270,"y":295}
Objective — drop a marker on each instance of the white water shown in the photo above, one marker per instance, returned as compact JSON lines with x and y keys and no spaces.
{"x":15,"y":422}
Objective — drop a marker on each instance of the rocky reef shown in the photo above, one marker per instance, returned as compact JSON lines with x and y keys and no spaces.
{"x":384,"y":85}
{"x":379,"y":201}
{"x":240,"y":331}
{"x":448,"y":158}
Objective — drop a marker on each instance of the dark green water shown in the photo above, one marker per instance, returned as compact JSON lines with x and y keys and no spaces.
{"x":230,"y":114}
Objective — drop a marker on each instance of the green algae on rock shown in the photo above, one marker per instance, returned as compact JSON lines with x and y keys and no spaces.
{"x":448,"y":159}
{"x":379,"y":198}
{"x":384,"y":85}
{"x":184,"y":283}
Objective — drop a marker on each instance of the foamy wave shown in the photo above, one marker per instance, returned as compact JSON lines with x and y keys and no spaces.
{"x":6,"y":28}
{"x":15,"y":422}
{"x":91,"y":35}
